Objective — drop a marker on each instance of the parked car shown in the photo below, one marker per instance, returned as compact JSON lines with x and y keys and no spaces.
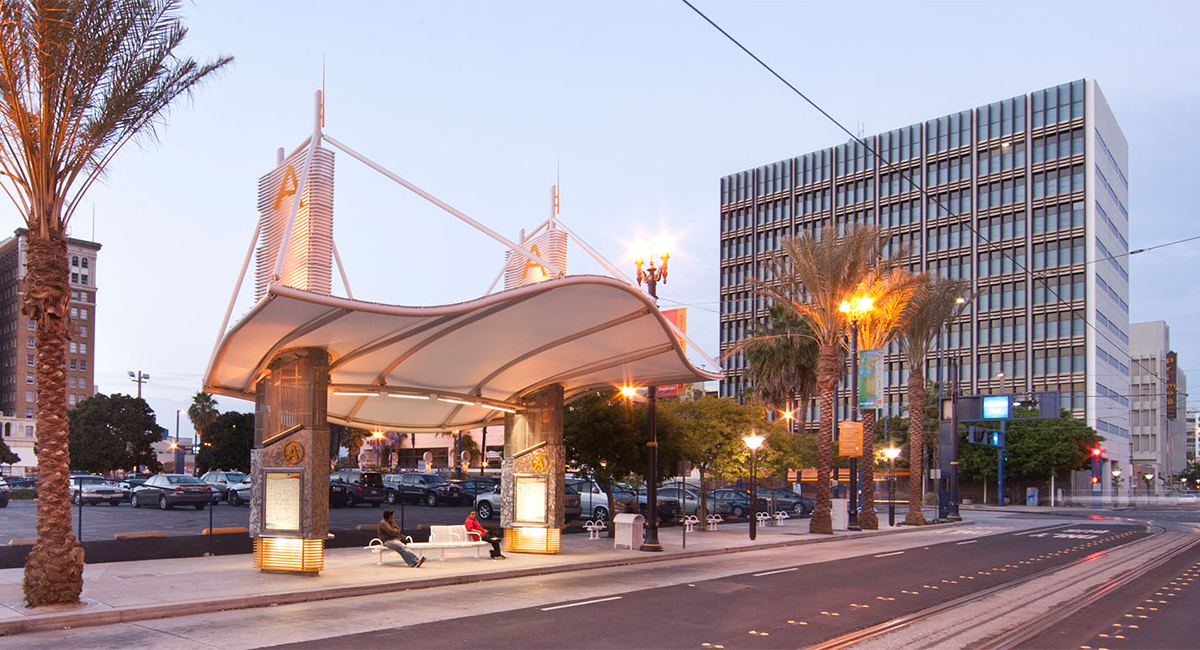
{"x":4,"y":492}
{"x":170,"y":490}
{"x":430,"y":489}
{"x":220,"y":481}
{"x":688,"y":498}
{"x":785,"y":499}
{"x":94,"y":489}
{"x":360,"y":487}
{"x":735,"y":502}
{"x":668,"y":507}
{"x":239,"y":493}
{"x":21,"y":483}
{"x":474,"y":486}
{"x":594,"y":501}
{"x":487,"y":505}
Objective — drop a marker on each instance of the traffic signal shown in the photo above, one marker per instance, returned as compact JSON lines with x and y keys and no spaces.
{"x":1096,"y":452}
{"x":1095,"y":479}
{"x":994,"y":439}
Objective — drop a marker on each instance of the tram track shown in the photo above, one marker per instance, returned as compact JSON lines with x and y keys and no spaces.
{"x":1026,"y":630}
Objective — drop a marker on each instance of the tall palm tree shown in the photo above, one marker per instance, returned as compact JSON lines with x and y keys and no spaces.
{"x":892,"y":288}
{"x":781,"y":359}
{"x":812,"y":277}
{"x":932,"y":304}
{"x":78,"y":80}
{"x":202,"y":413}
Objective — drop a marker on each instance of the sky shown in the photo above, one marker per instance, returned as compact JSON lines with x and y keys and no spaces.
{"x":639,"y":108}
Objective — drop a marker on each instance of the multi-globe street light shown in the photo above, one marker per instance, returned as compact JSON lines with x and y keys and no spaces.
{"x":855,"y":309}
{"x":651,"y":277}
{"x":891,"y":453}
{"x":753,"y":441}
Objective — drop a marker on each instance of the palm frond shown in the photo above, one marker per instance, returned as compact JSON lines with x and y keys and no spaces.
{"x":933,"y":303}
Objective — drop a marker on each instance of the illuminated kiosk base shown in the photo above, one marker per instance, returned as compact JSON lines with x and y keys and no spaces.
{"x":532,"y":539}
{"x":289,"y":554}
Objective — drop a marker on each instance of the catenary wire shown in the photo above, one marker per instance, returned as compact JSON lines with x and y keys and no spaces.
{"x":992,"y":246}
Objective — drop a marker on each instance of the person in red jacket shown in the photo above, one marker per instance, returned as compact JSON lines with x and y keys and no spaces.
{"x":475,"y":528}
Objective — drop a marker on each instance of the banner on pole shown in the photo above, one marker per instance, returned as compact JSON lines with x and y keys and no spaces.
{"x":870,"y":379}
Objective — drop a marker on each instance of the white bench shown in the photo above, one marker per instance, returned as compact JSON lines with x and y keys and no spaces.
{"x":441,"y":539}
{"x":781,"y":516}
{"x":690,"y":522}
{"x":713,"y":520}
{"x":376,"y":546}
{"x":594,"y":528}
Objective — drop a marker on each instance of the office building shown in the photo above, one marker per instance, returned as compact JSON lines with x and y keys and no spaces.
{"x":1192,"y":423}
{"x":18,"y":340}
{"x":1027,"y":198}
{"x":1158,"y":427}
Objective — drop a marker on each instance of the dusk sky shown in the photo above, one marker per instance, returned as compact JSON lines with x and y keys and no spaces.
{"x":641,"y":105}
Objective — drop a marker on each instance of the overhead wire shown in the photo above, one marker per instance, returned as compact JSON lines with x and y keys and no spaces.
{"x":891,"y":167}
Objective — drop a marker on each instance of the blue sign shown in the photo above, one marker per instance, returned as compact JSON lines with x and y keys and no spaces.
{"x":995,"y":407}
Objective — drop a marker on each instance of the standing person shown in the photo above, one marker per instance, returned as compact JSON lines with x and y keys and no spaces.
{"x":476,"y":528}
{"x":389,"y":532}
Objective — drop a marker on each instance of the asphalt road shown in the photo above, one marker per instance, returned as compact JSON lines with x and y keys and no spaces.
{"x":19,"y":519}
{"x":785,"y":607}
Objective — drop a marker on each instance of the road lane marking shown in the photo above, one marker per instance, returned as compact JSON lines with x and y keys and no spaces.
{"x":771,"y":573}
{"x":584,"y":602}
{"x":892,"y":553}
{"x":970,"y":541}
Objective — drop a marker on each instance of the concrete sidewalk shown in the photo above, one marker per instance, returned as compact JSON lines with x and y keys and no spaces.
{"x":149,"y":589}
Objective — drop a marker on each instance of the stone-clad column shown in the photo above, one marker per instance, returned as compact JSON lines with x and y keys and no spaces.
{"x":289,"y":507}
{"x":532,"y":485}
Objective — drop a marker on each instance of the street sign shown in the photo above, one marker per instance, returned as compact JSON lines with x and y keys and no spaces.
{"x":850,"y":438}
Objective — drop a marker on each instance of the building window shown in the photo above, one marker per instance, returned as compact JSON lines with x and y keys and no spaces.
{"x":30,"y":342}
{"x":71,"y":382}
{"x":29,"y":359}
{"x":83,"y":348}
{"x":28,"y":413}
{"x":84,"y":280}
{"x":74,"y":312}
{"x":84,"y":263}
{"x":74,"y":278}
{"x":74,"y":364}
{"x":83,"y":332}
{"x":75,"y":260}
{"x":83,"y":382}
{"x":28,"y":396}
{"x":73,"y":347}
{"x":28,"y":430}
{"x":70,"y":400}
{"x":83,"y":314}
{"x":83,"y":364}
{"x":31,"y":325}
{"x":29,"y":378}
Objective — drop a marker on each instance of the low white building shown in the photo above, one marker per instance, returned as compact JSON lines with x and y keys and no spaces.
{"x":1158,"y":430}
{"x":19,"y":434}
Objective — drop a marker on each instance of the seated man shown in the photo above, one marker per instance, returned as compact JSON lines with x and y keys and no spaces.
{"x":389,"y":532}
{"x":475,"y":528}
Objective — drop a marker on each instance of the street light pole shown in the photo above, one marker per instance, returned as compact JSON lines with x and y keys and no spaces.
{"x":180,"y":459}
{"x":753,"y":441}
{"x":140,"y":378}
{"x":891,"y":453}
{"x":852,"y":522}
{"x":651,"y":277}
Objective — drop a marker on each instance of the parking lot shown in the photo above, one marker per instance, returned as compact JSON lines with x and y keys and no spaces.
{"x":102,"y":522}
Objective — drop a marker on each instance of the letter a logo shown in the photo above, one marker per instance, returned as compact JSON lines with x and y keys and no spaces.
{"x":284,"y":188}
{"x":530,"y":264}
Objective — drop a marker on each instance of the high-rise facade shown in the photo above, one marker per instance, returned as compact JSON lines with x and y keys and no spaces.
{"x":1025,"y":198}
{"x":18,"y":339}
{"x":1158,"y":427}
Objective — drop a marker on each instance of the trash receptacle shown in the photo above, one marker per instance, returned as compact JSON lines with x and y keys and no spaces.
{"x":630,"y":530}
{"x":841,"y":513}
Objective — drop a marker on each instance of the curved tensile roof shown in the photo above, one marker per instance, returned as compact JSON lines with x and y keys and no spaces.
{"x":462,"y":365}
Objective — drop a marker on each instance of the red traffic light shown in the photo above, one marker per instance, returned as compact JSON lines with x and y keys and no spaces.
{"x":1095,"y":479}
{"x":1096,"y":451}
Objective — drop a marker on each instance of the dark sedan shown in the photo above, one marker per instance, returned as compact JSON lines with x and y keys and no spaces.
{"x":359,"y":487}
{"x":170,"y":490}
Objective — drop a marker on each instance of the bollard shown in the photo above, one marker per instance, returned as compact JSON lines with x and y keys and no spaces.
{"x":210,"y":527}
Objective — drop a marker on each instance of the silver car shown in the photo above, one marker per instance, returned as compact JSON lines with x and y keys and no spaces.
{"x":95,"y":489}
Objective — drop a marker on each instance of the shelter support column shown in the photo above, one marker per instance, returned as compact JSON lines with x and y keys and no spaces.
{"x":289,"y":506}
{"x":531,"y":480}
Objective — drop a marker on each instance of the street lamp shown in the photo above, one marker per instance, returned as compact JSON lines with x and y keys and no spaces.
{"x":652,"y":276}
{"x":753,"y":441}
{"x":1003,"y":386}
{"x":856,"y":309}
{"x":139,"y":379}
{"x":891,"y":453}
{"x":180,"y":459}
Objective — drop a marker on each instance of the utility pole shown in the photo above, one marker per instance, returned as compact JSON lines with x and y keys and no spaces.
{"x":140,"y":378}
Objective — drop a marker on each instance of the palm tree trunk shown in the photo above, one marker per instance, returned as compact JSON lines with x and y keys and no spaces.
{"x":54,"y":570}
{"x":867,"y":518}
{"x":827,"y":373}
{"x":916,"y":439}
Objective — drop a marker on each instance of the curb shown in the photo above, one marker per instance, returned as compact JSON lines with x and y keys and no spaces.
{"x":151,"y":612}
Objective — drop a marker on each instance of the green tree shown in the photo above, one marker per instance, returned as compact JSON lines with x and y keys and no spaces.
{"x":1039,"y":449}
{"x":227,"y":443}
{"x":934,"y":302}
{"x":600,"y":438}
{"x":710,"y":438}
{"x":202,"y":412}
{"x":112,"y":432}
{"x":781,"y":361}
{"x":79,"y":79}
{"x":7,"y":455}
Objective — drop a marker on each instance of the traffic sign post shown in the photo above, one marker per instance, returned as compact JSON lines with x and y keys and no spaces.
{"x":981,"y":436}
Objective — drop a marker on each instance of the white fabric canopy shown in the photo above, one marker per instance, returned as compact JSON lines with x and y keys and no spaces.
{"x":410,"y":368}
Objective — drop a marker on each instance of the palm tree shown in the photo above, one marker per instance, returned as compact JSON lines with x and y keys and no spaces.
{"x":781,"y":359}
{"x":932,"y":304}
{"x":201,"y":413}
{"x":78,"y":80}
{"x":892,"y":288}
{"x":812,"y":277}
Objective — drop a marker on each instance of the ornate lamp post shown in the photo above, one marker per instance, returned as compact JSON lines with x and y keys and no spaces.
{"x":891,"y":453}
{"x":856,"y":309}
{"x":753,"y":441}
{"x":651,"y":277}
